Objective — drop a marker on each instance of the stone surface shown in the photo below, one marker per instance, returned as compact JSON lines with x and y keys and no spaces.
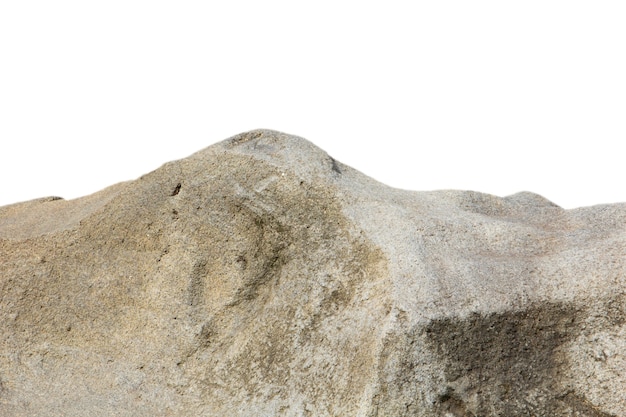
{"x":260,"y":277}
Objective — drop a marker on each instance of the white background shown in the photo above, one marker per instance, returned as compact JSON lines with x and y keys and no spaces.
{"x":493,"y":96}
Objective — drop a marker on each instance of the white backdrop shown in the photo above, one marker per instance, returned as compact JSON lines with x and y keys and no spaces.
{"x":493,"y":96}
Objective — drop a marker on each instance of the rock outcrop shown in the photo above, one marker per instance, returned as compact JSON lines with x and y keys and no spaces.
{"x":260,"y":277}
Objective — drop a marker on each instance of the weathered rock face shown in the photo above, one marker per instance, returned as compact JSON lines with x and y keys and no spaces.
{"x":260,"y":277}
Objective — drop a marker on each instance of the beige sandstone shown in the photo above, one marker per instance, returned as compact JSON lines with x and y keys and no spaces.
{"x":260,"y":277}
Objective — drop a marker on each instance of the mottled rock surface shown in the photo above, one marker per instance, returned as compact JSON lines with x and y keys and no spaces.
{"x":260,"y":277}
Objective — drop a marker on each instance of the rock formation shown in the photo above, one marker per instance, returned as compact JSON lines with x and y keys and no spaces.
{"x":260,"y":277}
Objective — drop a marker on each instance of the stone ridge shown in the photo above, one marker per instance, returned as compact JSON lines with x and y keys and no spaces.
{"x":261,"y":277}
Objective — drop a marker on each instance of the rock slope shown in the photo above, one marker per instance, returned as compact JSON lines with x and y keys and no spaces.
{"x":260,"y":277}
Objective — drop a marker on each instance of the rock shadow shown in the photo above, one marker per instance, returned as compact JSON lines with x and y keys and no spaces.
{"x":508,"y":364}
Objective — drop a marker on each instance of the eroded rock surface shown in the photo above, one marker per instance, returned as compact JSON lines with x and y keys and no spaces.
{"x":260,"y":277}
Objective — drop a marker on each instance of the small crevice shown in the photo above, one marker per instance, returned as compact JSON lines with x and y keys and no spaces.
{"x":176,"y":190}
{"x":335,"y":166}
{"x":452,"y":405}
{"x":244,"y":137}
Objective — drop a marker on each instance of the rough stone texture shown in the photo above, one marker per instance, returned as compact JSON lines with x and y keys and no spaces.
{"x":260,"y":277}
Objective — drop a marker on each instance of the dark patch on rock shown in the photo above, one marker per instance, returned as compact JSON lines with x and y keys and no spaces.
{"x":335,"y":166}
{"x":176,"y":190}
{"x":508,"y":363}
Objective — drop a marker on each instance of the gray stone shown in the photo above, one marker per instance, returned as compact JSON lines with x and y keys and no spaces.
{"x":260,"y":277}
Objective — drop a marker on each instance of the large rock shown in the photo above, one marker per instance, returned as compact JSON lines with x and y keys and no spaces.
{"x":260,"y":277}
